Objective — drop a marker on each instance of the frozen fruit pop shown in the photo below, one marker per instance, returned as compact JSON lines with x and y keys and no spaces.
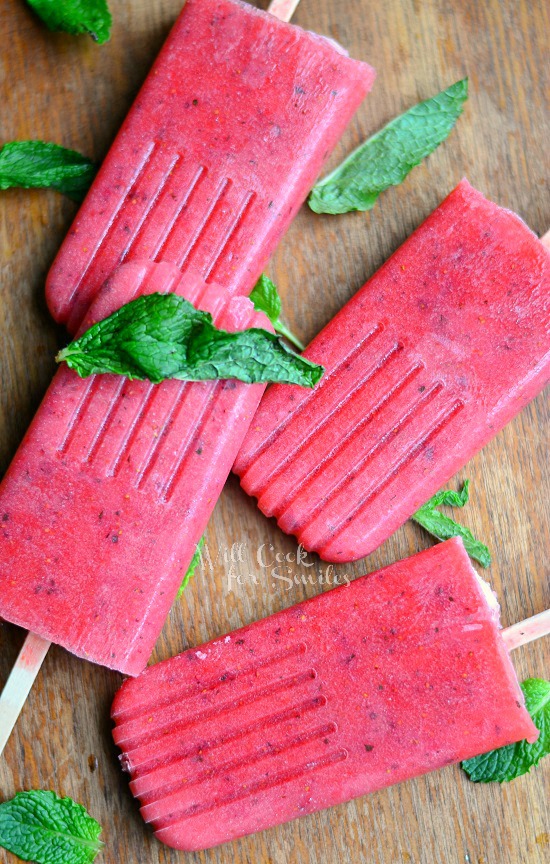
{"x":219,"y":150}
{"x":425,"y":364}
{"x":112,"y":487}
{"x":399,"y":673}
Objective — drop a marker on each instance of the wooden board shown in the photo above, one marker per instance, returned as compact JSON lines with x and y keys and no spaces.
{"x":71,"y":91}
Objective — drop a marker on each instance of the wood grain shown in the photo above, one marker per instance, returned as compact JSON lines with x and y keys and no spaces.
{"x":71,"y":91}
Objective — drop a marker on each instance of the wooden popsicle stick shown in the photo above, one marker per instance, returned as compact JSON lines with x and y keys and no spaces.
{"x":527,"y":631}
{"x":19,"y":684}
{"x":538,"y":625}
{"x":283,"y":9}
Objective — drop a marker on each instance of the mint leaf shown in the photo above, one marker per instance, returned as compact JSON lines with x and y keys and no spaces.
{"x":160,"y":336}
{"x":386,"y":158}
{"x":38,"y":826}
{"x":266,"y":299}
{"x":32,"y":164}
{"x":512,"y":761}
{"x":443,"y":527}
{"x":195,"y":560}
{"x":450,"y":498}
{"x":76,"y":16}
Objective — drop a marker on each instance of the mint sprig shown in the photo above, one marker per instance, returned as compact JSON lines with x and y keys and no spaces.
{"x":194,"y":563}
{"x":41,"y":827}
{"x":160,"y":336}
{"x":512,"y":761}
{"x":76,"y":16}
{"x":443,"y":527}
{"x":41,"y":164}
{"x":385,"y":159}
{"x":266,"y":299}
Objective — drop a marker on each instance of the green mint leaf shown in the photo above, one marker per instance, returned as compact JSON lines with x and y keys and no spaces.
{"x":76,"y":16}
{"x":449,"y":498}
{"x":34,"y":164}
{"x":266,"y":299}
{"x":512,"y":761}
{"x":160,"y":336}
{"x":385,"y":159}
{"x":443,"y":527}
{"x":38,"y":826}
{"x":195,"y":561}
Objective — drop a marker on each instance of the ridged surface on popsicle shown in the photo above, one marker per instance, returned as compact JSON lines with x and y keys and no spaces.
{"x":113,"y":485}
{"x":218,"y":152}
{"x":442,"y":347}
{"x":399,"y":673}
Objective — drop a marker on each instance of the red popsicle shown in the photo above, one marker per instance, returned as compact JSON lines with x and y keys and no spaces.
{"x":221,"y":147}
{"x":425,"y":364}
{"x":112,"y":487}
{"x":399,"y":673}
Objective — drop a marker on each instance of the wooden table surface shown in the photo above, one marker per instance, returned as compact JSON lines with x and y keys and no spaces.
{"x":74,"y":92}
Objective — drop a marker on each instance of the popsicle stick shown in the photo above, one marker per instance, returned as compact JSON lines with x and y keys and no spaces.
{"x":539,"y":625}
{"x":19,"y":683}
{"x":527,"y":631}
{"x":283,"y":9}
